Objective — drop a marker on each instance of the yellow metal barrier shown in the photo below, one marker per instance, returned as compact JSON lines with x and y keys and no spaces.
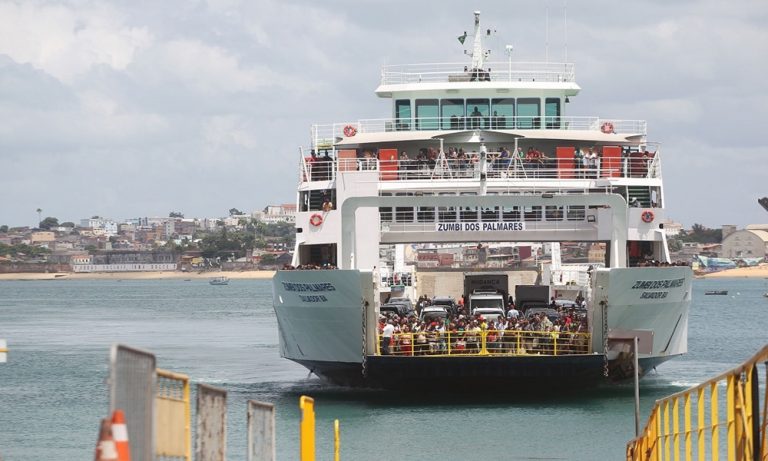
{"x":738,"y":435}
{"x":486,"y":342}
{"x":173,"y":431}
{"x":307,"y":428}
{"x":336,"y":440}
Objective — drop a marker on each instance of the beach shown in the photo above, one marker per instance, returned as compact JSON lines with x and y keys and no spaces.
{"x":148,"y":275}
{"x":759,"y":271}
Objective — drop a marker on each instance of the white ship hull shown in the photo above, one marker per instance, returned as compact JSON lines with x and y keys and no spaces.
{"x":321,"y":314}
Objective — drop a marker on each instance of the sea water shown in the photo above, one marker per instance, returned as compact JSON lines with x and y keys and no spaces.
{"x":53,"y":391}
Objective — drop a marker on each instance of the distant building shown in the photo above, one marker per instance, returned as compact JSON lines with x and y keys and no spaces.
{"x":751,"y":242}
{"x":42,"y":237}
{"x":279,"y":213}
{"x":672,"y":228}
{"x":128,"y":261}
{"x":100,"y":226}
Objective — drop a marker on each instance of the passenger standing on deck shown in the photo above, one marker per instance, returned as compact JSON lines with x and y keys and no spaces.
{"x":386,"y":337}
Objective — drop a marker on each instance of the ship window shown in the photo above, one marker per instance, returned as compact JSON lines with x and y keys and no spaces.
{"x":452,"y":114}
{"x":385,"y":213}
{"x":554,"y":213}
{"x":532,"y":213}
{"x":427,"y":114}
{"x":528,"y":113}
{"x":304,"y":199}
{"x":425,"y":213}
{"x":503,"y":113}
{"x":468,"y":213}
{"x":403,"y":114}
{"x":489,"y":214}
{"x":576,"y":213}
{"x":446,"y":214}
{"x":404,"y":214}
{"x":510,"y":214}
{"x":552,"y":112}
{"x":478,"y":111}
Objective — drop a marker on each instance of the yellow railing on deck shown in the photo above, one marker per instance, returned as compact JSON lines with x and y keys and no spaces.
{"x":734,"y":429}
{"x":173,"y":430}
{"x":486,"y":342}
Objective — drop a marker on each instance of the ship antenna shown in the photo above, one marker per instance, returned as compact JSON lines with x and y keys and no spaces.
{"x":478,"y":55}
{"x":565,"y":18}
{"x":546,"y":34}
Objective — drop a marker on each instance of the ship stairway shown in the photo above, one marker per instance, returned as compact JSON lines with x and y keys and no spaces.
{"x":641,"y":193}
{"x":316,"y":199}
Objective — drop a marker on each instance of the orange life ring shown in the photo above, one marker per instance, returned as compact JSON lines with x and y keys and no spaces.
{"x":607,"y":127}
{"x":315,"y":219}
{"x":647,"y":216}
{"x":350,"y":131}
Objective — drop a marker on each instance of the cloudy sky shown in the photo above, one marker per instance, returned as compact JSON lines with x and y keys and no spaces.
{"x":139,"y":108}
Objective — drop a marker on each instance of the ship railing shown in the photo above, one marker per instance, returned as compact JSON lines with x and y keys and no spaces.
{"x":511,"y":72}
{"x":719,"y":418}
{"x":632,"y":165}
{"x":325,"y":136}
{"x":485,"y":343}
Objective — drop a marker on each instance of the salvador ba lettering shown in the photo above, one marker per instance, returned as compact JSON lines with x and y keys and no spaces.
{"x":310,"y":292}
{"x":656,"y":285}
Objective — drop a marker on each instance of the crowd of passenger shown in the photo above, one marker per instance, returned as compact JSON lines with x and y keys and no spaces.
{"x":531,"y":162}
{"x":562,"y":330}
{"x":308,"y":267}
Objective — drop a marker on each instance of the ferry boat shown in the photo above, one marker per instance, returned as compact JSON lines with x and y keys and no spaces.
{"x":479,"y":160}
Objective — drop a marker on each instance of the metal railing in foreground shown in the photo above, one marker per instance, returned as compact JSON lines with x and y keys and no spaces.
{"x":484,"y":343}
{"x":698,"y":424}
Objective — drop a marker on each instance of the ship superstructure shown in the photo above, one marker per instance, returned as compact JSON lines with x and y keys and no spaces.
{"x":474,"y":153}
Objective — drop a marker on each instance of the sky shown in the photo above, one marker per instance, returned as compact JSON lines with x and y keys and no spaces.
{"x":137,"y":108}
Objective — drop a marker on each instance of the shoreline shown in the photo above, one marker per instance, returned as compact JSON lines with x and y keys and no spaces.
{"x":153,"y":275}
{"x":754,"y":272}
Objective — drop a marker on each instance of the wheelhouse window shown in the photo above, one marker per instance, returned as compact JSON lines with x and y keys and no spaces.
{"x":503,"y":115}
{"x":552,"y":112}
{"x":528,"y":113}
{"x":478,"y":112}
{"x":427,"y":113}
{"x":403,"y":114}
{"x":452,"y":114}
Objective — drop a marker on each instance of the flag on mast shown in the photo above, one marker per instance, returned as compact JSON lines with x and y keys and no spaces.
{"x":462,"y":38}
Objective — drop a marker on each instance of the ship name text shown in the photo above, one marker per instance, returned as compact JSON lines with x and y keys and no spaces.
{"x":479,"y":226}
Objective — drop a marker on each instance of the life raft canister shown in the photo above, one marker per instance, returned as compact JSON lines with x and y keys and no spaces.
{"x":607,"y":127}
{"x":350,"y":131}
{"x":315,"y":219}
{"x":647,"y":216}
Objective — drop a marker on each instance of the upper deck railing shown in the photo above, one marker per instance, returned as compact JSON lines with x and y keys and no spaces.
{"x":574,"y":167}
{"x":551,"y":72}
{"x":325,"y":135}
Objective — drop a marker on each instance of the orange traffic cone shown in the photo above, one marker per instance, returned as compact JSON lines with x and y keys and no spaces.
{"x":120,"y":433}
{"x":105,"y":447}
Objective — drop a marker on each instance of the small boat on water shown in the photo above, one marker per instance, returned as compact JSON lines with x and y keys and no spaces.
{"x":219,"y":281}
{"x":716,"y":292}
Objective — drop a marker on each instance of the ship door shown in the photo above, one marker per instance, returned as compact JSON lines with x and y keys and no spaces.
{"x":320,"y":255}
